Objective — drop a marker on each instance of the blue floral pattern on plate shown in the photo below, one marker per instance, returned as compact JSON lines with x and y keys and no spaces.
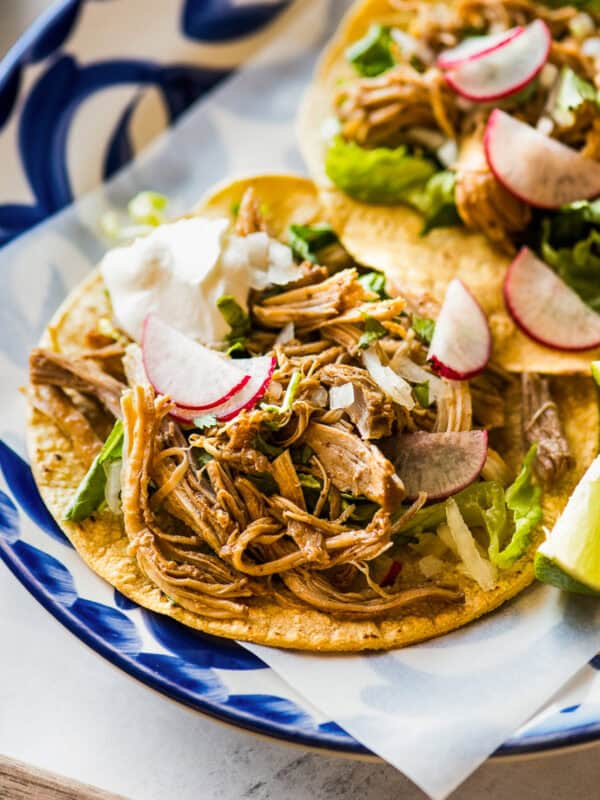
{"x":47,"y":82}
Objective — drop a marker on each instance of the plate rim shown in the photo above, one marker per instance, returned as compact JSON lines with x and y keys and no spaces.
{"x":554,"y":741}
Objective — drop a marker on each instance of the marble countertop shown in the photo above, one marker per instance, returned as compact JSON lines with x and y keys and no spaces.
{"x":71,"y":713}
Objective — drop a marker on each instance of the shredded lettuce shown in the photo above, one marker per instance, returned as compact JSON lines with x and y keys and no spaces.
{"x":90,"y":492}
{"x":373,"y":330}
{"x":372,"y":54}
{"x":307,"y":240}
{"x":382,"y":175}
{"x":507,"y":516}
{"x":523,"y":499}
{"x":570,"y":243}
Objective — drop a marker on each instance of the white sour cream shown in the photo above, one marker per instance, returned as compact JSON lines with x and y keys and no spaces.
{"x":181,"y":269}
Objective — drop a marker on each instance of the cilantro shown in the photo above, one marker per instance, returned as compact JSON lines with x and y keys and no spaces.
{"x":205,"y":421}
{"x":373,"y":331}
{"x":421,"y":393}
{"x":264,"y":482}
{"x":374,"y":282}
{"x":423,"y":327}
{"x":266,"y":448}
{"x":372,"y":54}
{"x":307,"y":240}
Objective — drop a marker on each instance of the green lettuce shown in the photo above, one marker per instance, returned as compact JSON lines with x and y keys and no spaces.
{"x":393,"y":176}
{"x":374,"y":282}
{"x":373,"y":330}
{"x":382,"y":175}
{"x":570,"y":243}
{"x":508,"y":516}
{"x":90,"y":492}
{"x":372,"y":54}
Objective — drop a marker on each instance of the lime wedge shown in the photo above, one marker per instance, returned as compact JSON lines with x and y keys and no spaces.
{"x":570,"y":556}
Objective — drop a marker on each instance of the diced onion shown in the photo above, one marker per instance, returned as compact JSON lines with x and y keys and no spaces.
{"x":581,"y":25}
{"x":410,"y":46}
{"x":319,"y":397}
{"x":563,"y":117}
{"x":426,"y":137}
{"x":341,"y":396}
{"x":391,"y":384}
{"x":133,"y":365}
{"x":545,"y":126}
{"x":112,"y":491}
{"x":591,"y":47}
{"x":475,"y":565}
{"x":548,"y":75}
{"x":430,"y":566}
{"x":286,"y":334}
{"x":448,"y":152}
{"x":407,"y":369}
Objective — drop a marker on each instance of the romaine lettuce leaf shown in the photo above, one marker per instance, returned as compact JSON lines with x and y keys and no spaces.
{"x":523,"y":499}
{"x":573,"y":91}
{"x":393,"y":176}
{"x":508,"y":516}
{"x":307,"y":240}
{"x":90,"y":492}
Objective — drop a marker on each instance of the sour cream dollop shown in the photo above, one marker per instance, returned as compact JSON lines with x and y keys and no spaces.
{"x":180,"y":270}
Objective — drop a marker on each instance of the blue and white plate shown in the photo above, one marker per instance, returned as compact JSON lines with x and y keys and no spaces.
{"x":76,"y":106}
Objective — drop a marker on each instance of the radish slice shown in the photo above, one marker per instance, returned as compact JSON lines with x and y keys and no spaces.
{"x":260,"y":371}
{"x":475,"y":47}
{"x":546,"y":309}
{"x":192,"y":375}
{"x":461,"y":343}
{"x":440,"y":464}
{"x":535,"y":168}
{"x":504,"y":70}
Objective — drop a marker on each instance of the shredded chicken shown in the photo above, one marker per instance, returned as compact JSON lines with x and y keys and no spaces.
{"x":542,"y":425}
{"x":48,"y":367}
{"x":377,"y":111}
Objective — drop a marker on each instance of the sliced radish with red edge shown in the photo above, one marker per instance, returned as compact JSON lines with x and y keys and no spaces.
{"x":536,"y":169}
{"x":461,"y":344}
{"x":192,"y":375}
{"x":440,"y":464}
{"x":260,"y":370}
{"x":476,"y":46}
{"x":504,"y":70}
{"x":546,"y":309}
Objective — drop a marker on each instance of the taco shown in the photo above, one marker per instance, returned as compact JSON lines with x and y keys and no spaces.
{"x":286,"y":468}
{"x":426,"y":125}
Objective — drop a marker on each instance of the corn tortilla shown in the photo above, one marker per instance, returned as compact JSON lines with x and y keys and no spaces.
{"x":103,"y":545}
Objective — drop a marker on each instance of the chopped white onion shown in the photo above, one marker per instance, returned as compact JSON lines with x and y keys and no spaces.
{"x":319,"y":397}
{"x":410,"y":46}
{"x":563,"y":117}
{"x":341,"y":396}
{"x":112,"y":491}
{"x":286,"y":334}
{"x":448,"y":152}
{"x":430,"y":566}
{"x":426,"y":137}
{"x":475,"y":565}
{"x":407,"y":369}
{"x":581,"y":25}
{"x":330,"y":128}
{"x":392,"y":385}
{"x":275,"y":390}
{"x":591,"y":47}
{"x":548,"y":75}
{"x":133,"y":365}
{"x":545,"y":126}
